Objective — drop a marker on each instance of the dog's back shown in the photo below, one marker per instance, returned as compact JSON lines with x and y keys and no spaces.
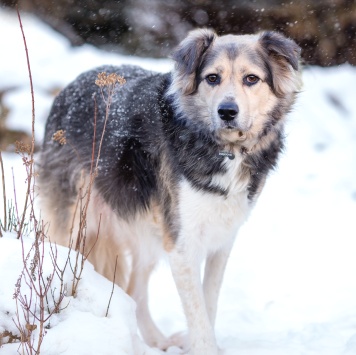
{"x":125,"y":176}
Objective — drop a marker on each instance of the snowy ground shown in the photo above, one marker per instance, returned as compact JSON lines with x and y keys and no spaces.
{"x":290,"y":286}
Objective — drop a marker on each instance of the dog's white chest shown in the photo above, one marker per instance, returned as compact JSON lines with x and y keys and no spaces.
{"x":210,"y":220}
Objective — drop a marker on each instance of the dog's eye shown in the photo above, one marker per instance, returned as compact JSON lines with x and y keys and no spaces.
{"x":213,"y":79}
{"x":251,"y":79}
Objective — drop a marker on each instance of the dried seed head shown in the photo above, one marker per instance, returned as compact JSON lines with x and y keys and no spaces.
{"x":60,"y":137}
{"x":21,"y":147}
{"x":31,"y":327}
{"x":109,"y":79}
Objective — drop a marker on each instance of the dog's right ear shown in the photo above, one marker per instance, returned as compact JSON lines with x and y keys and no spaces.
{"x":188,"y":56}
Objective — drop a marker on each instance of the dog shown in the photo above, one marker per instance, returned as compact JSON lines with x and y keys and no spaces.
{"x":182,"y":161}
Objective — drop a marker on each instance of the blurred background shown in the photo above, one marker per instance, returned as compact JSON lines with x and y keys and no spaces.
{"x":325,"y":29}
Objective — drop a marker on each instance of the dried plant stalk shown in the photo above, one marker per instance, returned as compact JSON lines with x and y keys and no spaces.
{"x":3,"y":226}
{"x":31,"y":165}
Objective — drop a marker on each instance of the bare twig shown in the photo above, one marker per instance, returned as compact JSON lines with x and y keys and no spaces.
{"x":94,"y":135}
{"x":15,"y":198}
{"x":4,"y":227}
{"x":35,"y":306}
{"x":113,"y":287}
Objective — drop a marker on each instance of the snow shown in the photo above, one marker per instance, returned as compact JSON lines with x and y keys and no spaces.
{"x":290,"y":283}
{"x":85,"y":312}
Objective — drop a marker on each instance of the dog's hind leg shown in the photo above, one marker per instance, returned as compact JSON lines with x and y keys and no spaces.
{"x":213,"y":276}
{"x":138,"y":290}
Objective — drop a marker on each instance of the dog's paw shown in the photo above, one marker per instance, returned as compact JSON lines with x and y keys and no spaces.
{"x":175,"y":350}
{"x":176,"y":344}
{"x":180,"y":340}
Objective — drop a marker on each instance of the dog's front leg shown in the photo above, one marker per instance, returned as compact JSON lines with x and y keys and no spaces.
{"x":213,"y":276}
{"x":185,"y":265}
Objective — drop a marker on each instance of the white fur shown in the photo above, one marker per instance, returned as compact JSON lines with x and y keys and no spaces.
{"x":210,"y":220}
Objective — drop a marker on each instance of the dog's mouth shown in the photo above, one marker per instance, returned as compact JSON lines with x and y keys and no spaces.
{"x":236,"y":133}
{"x":233,"y":129}
{"x":233,"y":132}
{"x":232,"y":136}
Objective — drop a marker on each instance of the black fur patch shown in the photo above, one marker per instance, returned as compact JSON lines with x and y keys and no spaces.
{"x":261,"y":162}
{"x":268,"y":72}
{"x":273,"y":118}
{"x":134,"y":168}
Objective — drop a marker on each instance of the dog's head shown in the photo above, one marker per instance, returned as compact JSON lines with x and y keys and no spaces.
{"x":233,"y":84}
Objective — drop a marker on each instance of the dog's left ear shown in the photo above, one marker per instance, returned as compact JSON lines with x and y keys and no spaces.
{"x":284,"y":57}
{"x":188,"y":56}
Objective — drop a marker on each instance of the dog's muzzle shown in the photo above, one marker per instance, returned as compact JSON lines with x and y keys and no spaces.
{"x":228,"y":112}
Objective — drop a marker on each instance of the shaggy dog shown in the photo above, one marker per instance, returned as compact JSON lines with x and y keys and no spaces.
{"x":183,"y":159}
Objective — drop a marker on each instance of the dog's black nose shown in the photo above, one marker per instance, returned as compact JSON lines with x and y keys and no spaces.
{"x":228,"y":111}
